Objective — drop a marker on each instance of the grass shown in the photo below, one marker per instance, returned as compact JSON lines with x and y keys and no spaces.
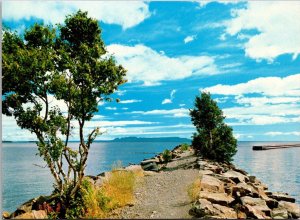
{"x":194,"y":190}
{"x":117,"y":191}
{"x":184,"y":147}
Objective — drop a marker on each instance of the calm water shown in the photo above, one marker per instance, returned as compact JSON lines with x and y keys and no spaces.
{"x":23,"y":180}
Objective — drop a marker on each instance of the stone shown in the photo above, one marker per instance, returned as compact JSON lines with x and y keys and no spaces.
{"x":240,"y":171}
{"x":99,"y":181}
{"x":26,"y":215}
{"x":205,"y":172}
{"x":292,"y":208}
{"x":204,"y":208}
{"x":244,"y":190}
{"x":282,"y":197}
{"x":40,"y":214}
{"x":252,"y":212}
{"x":216,"y":198}
{"x":241,"y":215}
{"x":211,"y":184}
{"x":150,"y":167}
{"x":256,"y":203}
{"x":5,"y":215}
{"x":225,"y":212}
{"x":279,"y":213}
{"x":236,"y":176}
{"x":144,"y":162}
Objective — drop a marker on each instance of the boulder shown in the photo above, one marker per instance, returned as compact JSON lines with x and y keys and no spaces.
{"x":257,"y":204}
{"x":217,"y":198}
{"x":225,"y":212}
{"x":282,"y":197}
{"x":211,"y":184}
{"x":240,"y":171}
{"x":150,"y":167}
{"x":205,"y":172}
{"x":5,"y":215}
{"x":99,"y":181}
{"x":236,"y":176}
{"x":41,"y":214}
{"x":150,"y":161}
{"x":292,"y":208}
{"x":279,"y":213}
{"x":243,"y":189}
{"x":204,"y":208}
{"x":253,"y":212}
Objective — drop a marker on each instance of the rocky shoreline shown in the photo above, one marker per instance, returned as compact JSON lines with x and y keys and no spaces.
{"x":224,"y":191}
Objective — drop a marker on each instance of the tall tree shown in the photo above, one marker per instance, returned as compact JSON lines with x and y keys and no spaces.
{"x":68,"y":63}
{"x":214,"y":139}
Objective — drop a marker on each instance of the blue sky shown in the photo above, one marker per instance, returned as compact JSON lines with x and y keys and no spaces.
{"x":244,"y":53}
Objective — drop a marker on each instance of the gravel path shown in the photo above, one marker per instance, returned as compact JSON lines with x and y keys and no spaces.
{"x":164,"y":194}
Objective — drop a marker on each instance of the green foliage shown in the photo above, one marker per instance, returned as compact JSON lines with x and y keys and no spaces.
{"x":167,"y":155}
{"x":67,"y":63}
{"x":184,"y":147}
{"x":214,"y":139}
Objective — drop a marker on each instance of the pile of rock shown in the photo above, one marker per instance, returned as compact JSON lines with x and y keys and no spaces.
{"x":158,"y":162}
{"x":228,"y":192}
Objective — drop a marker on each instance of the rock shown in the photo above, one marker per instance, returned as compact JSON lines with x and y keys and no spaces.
{"x":150,"y":167}
{"x":211,"y":184}
{"x":240,"y":171}
{"x":279,"y":213}
{"x":204,"y":208}
{"x":5,"y":215}
{"x":214,"y":168}
{"x":256,"y":203}
{"x":236,"y":176}
{"x":241,"y":215}
{"x":292,"y":208}
{"x":252,"y":179}
{"x":134,"y":168}
{"x":282,"y":197}
{"x":216,"y":198}
{"x":26,"y":215}
{"x":225,"y":212}
{"x":205,"y":172}
{"x":252,"y":212}
{"x":244,"y":190}
{"x":99,"y":181}
{"x":40,"y":214}
{"x":145,"y":162}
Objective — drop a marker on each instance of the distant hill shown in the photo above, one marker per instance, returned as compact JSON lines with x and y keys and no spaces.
{"x":159,"y":139}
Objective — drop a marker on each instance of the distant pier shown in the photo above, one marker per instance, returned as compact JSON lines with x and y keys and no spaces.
{"x":271,"y":147}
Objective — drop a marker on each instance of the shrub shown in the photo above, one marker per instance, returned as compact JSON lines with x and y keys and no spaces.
{"x":167,"y":155}
{"x":184,"y":147}
{"x":214,"y":139}
{"x":194,"y":190}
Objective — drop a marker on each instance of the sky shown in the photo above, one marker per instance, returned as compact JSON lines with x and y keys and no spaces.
{"x":246,"y":54}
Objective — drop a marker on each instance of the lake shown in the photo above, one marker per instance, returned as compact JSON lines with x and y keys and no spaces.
{"x":24,"y":178}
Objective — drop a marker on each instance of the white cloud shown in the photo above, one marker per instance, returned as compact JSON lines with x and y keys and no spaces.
{"x":181,"y":105}
{"x":127,"y":14}
{"x":151,"y":67}
{"x":129,"y":101}
{"x":277,"y":23}
{"x":203,"y":3}
{"x":189,"y":39}
{"x":271,"y":86}
{"x":177,"y":113}
{"x":170,"y":100}
{"x":261,"y":101}
{"x":278,"y":133}
{"x":111,"y":108}
{"x":120,"y":92}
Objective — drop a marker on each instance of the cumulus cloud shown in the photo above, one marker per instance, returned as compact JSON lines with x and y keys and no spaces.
{"x":170,"y":100}
{"x":130,"y":101}
{"x":154,"y":67}
{"x":176,"y":113}
{"x":277,"y":24}
{"x":272,"y":86}
{"x":189,"y":39}
{"x":127,"y":14}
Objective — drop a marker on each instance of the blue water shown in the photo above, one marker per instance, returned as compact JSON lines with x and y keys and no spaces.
{"x":23,"y":180}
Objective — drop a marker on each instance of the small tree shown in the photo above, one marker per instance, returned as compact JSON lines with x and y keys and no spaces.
{"x":214,"y":139}
{"x":68,"y":64}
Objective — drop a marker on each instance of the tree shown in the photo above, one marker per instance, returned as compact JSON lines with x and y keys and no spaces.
{"x":214,"y":139}
{"x":66,"y":63}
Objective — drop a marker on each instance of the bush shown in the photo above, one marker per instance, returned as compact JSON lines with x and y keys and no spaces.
{"x":214,"y":139}
{"x":184,"y":147}
{"x":167,"y":155}
{"x":194,"y":190}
